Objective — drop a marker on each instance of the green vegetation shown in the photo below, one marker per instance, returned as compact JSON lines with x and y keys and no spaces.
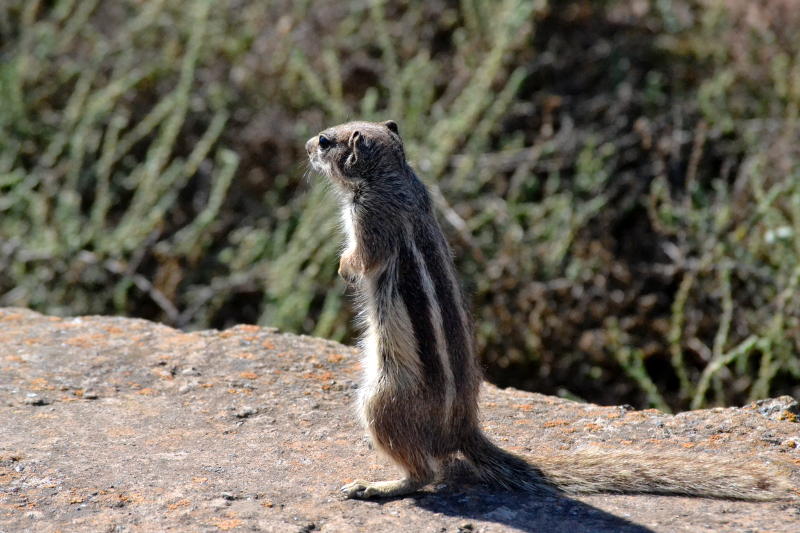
{"x":620,"y":180}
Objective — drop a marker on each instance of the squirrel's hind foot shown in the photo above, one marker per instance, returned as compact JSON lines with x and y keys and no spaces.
{"x":363,"y":490}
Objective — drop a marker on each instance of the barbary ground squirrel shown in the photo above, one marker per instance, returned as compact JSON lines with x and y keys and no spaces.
{"x":419,"y":396}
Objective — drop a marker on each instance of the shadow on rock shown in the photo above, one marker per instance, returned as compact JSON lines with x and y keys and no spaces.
{"x":464,"y":497}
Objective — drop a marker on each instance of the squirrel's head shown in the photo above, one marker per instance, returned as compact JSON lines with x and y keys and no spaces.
{"x":356,"y":153}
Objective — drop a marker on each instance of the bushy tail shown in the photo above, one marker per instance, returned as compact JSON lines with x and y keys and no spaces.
{"x":629,"y":471}
{"x":504,"y":469}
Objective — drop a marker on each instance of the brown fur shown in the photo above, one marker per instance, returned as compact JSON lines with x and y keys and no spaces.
{"x":419,"y":396}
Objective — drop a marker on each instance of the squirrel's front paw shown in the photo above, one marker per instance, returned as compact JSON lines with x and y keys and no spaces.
{"x":346,"y":269}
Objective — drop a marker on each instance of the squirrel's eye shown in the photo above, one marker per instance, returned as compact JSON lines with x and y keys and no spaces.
{"x":324,"y":142}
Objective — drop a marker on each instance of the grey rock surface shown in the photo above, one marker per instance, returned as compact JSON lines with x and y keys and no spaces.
{"x":114,"y":424}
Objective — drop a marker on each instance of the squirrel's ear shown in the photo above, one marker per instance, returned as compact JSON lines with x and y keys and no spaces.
{"x":392,"y":125}
{"x":356,"y":144}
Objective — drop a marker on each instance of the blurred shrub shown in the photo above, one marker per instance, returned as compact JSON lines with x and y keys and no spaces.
{"x":619,"y":180}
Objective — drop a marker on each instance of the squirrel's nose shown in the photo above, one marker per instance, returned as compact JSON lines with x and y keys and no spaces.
{"x":310,"y":144}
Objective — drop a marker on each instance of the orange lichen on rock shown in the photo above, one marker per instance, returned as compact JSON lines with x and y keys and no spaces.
{"x":7,"y":474}
{"x":40,"y":384}
{"x":335,"y":358}
{"x":319,"y":376}
{"x":85,"y":340}
{"x":226,"y":524}
{"x":554,"y":423}
{"x":180,"y":503}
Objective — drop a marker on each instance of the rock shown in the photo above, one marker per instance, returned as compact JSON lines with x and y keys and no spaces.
{"x":781,"y":408}
{"x":150,"y":428}
{"x":246,"y":412}
{"x":34,"y":399}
